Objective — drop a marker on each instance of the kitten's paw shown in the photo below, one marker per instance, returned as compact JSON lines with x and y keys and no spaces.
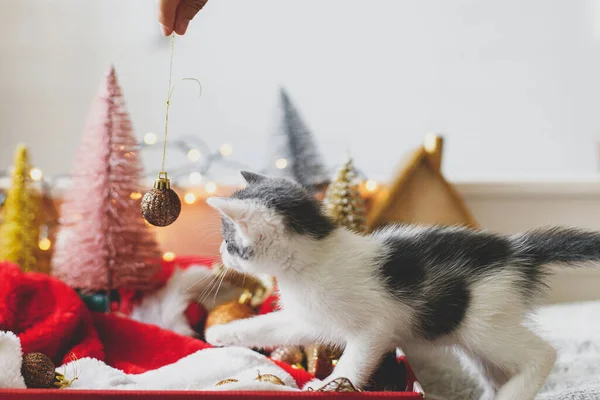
{"x":313,"y":385}
{"x":223,"y":335}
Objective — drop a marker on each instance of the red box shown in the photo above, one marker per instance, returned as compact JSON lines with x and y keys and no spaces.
{"x":415,"y":392}
{"x":414,"y":389}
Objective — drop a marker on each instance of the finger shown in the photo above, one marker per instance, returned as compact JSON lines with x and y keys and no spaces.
{"x":186,"y":11}
{"x":167,"y":10}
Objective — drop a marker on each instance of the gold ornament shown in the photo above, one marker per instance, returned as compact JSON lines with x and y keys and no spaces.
{"x":269,"y":378}
{"x":343,"y":201}
{"x":234,"y":310}
{"x":226,"y":381}
{"x":321,"y":359}
{"x":38,"y":371}
{"x":292,"y":355}
{"x":161,"y":205}
{"x":338,"y":385}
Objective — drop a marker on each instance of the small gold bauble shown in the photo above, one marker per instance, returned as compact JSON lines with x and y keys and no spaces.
{"x":234,"y":310}
{"x":319,"y":360}
{"x":288,"y":354}
{"x":161,"y":205}
{"x":226,"y":381}
{"x":269,"y":378}
{"x":38,"y":371}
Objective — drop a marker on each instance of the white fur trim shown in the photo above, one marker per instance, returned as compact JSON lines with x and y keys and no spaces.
{"x":11,"y":357}
{"x":198,"y":371}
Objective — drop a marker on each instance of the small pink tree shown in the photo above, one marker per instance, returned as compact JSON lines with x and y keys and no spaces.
{"x":104,"y":243}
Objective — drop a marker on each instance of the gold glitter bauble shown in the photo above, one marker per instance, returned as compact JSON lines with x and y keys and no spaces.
{"x":288,"y":354}
{"x":319,"y":360}
{"x":38,"y":371}
{"x":269,"y":378}
{"x":226,"y":381}
{"x":234,"y":310}
{"x":161,"y":205}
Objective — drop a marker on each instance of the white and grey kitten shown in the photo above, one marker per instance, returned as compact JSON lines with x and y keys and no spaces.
{"x":412,"y":287}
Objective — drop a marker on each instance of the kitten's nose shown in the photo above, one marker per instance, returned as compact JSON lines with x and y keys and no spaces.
{"x":222,"y":247}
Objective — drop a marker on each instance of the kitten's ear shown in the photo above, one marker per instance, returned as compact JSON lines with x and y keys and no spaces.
{"x":253,"y":177}
{"x":236,"y":210}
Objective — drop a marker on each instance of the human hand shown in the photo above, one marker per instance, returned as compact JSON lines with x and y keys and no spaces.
{"x":175,"y":15}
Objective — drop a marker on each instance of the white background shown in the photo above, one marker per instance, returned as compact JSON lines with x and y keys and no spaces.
{"x":514,"y":85}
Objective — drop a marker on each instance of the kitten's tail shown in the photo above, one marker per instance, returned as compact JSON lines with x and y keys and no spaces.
{"x":567,"y":246}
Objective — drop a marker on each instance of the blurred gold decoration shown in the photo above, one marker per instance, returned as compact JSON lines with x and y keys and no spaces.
{"x":321,"y":359}
{"x":420,"y":193}
{"x":343,"y":201}
{"x":292,"y":355}
{"x":339,"y":385}
{"x":231,"y":311}
{"x":19,"y":233}
{"x":226,"y":381}
{"x":269,"y":378}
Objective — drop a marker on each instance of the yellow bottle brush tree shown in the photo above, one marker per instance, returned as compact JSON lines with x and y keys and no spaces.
{"x":19,"y":232}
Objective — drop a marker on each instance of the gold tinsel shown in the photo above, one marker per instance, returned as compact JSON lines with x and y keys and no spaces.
{"x":226,"y":381}
{"x":19,"y":233}
{"x":343,"y":201}
{"x":269,"y":378}
{"x":339,"y":385}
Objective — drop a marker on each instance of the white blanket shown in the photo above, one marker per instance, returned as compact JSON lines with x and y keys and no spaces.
{"x":573,"y":329}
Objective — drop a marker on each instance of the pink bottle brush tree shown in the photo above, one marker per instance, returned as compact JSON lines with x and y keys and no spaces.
{"x":103,"y":243}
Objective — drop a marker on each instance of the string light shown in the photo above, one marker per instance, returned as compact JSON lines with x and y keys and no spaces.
{"x":44,"y":244}
{"x":430,"y":143}
{"x":135,"y":196}
{"x":371,"y":185}
{"x":194,"y":155}
{"x":150,"y":138}
{"x":36,"y":174}
{"x":281,"y":163}
{"x":210,"y":187}
{"x":195,"y":178}
{"x":189,"y":198}
{"x":169,"y":256}
{"x":226,"y":149}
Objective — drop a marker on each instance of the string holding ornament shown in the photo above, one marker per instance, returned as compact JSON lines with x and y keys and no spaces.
{"x":161,"y":205}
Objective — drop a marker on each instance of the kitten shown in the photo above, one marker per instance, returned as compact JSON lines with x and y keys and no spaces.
{"x":405,"y":286}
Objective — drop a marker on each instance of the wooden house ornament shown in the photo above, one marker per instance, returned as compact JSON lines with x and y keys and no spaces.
{"x":420,"y":193}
